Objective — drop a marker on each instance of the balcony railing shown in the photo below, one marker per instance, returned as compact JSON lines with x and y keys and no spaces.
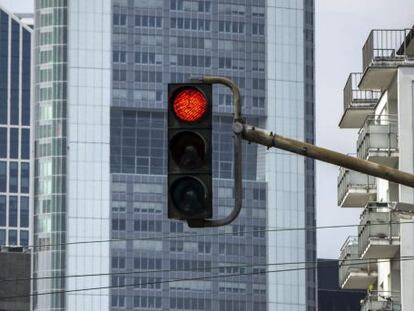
{"x":379,"y":231}
{"x":387,"y":45}
{"x":358,"y":104}
{"x":355,"y":189}
{"x":354,"y":272}
{"x":378,"y":140}
{"x":381,"y":301}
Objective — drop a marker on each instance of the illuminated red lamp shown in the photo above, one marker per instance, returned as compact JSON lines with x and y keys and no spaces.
{"x":190,"y":105}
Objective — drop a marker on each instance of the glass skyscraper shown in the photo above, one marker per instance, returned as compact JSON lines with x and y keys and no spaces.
{"x":15,"y":54}
{"x":101,"y":76}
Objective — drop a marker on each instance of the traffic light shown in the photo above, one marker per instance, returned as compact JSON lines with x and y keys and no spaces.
{"x":189,"y":151}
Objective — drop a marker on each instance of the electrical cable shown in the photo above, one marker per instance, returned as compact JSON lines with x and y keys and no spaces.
{"x":178,"y":280}
{"x":190,"y":235}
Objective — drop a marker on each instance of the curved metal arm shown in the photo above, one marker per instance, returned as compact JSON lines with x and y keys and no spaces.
{"x":237,"y":165}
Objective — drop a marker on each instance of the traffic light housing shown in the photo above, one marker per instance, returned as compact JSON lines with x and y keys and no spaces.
{"x":190,"y":151}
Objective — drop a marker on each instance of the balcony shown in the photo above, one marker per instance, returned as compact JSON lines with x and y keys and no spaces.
{"x":383,"y":52}
{"x":355,"y":273}
{"x":379,"y":231}
{"x":381,"y":301}
{"x":378,"y":140}
{"x":358,"y":104}
{"x":355,"y":189}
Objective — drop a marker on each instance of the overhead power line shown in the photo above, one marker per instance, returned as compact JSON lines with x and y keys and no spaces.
{"x":367,"y":261}
{"x":184,"y":279}
{"x":191,"y":235}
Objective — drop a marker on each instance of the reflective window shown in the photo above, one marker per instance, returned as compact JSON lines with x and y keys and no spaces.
{"x":14,"y":143}
{"x":3,"y":176}
{"x":3,"y":142}
{"x":3,"y":211}
{"x":25,"y":148}
{"x":2,"y":237}
{"x":4,"y":51}
{"x":24,"y":178}
{"x":15,"y":68}
{"x":24,"y":212}
{"x":13,"y":176}
{"x":12,"y":237}
{"x":24,"y":238}
{"x":13,"y":211}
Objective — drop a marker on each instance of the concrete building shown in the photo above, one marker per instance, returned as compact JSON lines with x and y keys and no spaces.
{"x":379,"y":102}
{"x":15,"y":77}
{"x":101,"y":71}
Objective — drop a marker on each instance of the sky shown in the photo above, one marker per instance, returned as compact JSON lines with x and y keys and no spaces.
{"x":342,"y":27}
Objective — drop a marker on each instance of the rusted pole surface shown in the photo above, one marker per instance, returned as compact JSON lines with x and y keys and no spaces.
{"x":268,"y":139}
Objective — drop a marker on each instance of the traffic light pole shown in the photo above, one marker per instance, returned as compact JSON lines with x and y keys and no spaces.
{"x":263,"y":137}
{"x":237,"y":158}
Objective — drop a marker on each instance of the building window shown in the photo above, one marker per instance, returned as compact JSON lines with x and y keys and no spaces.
{"x":119,"y":75}
{"x":24,"y":238}
{"x":24,"y":212}
{"x":118,"y":224}
{"x":13,"y":211}
{"x":118,"y":262}
{"x":231,"y":27}
{"x":12,"y":237}
{"x":25,"y":148}
{"x":14,"y":143}
{"x":3,"y":176}
{"x":148,"y":21}
{"x":24,"y":177}
{"x":118,"y":301}
{"x":258,"y":29}
{"x":13,"y":176}
{"x":119,"y":56}
{"x":3,"y":211}
{"x":3,"y":142}
{"x":2,"y":237}
{"x":120,"y":19}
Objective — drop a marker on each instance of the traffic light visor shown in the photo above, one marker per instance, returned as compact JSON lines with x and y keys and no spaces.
{"x":190,"y":104}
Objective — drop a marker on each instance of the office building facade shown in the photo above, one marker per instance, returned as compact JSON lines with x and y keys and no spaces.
{"x":15,"y":59}
{"x":101,"y":85}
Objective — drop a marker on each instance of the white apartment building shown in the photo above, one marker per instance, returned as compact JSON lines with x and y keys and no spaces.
{"x":380,"y":103}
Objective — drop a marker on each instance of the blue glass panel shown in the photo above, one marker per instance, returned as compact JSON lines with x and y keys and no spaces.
{"x":2,"y":237}
{"x":12,"y":237}
{"x":13,"y":174}
{"x":24,"y":177}
{"x":14,"y":143}
{"x":25,"y":144}
{"x":13,"y":211}
{"x":14,"y":87}
{"x":26,"y":78}
{"x":24,"y":212}
{"x":2,"y":210}
{"x":3,"y":142}
{"x":3,"y":176}
{"x":24,"y":238}
{"x":4,"y":51}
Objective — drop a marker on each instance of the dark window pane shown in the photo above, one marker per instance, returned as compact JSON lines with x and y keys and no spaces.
{"x":25,"y":144}
{"x":3,"y":176}
{"x":24,"y":212}
{"x":13,"y":175}
{"x":4,"y":51}
{"x":2,"y":210}
{"x":13,"y":211}
{"x":2,"y":237}
{"x":24,"y":178}
{"x":12,"y":237}
{"x":3,"y":141}
{"x":14,"y":143}
{"x":24,"y":238}
{"x":14,"y":88}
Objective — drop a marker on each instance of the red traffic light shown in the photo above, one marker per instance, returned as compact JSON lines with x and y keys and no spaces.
{"x":190,"y":104}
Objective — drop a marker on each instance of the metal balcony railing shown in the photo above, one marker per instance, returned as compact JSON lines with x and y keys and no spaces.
{"x":355,"y":189}
{"x":379,"y":231}
{"x":378,"y":139}
{"x":381,"y":301}
{"x":357,"y":98}
{"x":354,"y":272}
{"x":387,"y":45}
